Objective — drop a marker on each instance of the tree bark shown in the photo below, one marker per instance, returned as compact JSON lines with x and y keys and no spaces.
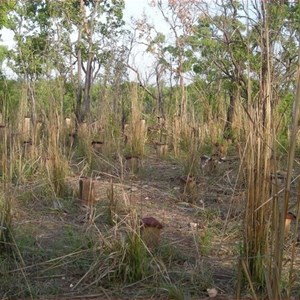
{"x":89,"y":29}
{"x":78,"y":112}
{"x":227,"y":133}
{"x":159,"y":98}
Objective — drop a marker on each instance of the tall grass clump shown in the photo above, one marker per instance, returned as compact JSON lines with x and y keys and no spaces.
{"x":135,"y":261}
{"x":136,"y":132}
{"x":192,"y":150}
{"x":258,"y":151}
{"x":264,"y":236}
{"x":82,"y":149}
{"x":283,"y":209}
{"x":5,"y":220}
{"x":56,"y":163}
{"x":122,"y":256}
{"x":5,"y":194}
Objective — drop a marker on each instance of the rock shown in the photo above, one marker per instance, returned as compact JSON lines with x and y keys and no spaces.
{"x":194,"y":225}
{"x":134,"y":189}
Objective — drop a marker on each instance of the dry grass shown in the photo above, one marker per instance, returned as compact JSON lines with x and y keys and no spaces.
{"x":64,"y":254}
{"x":220,"y":225}
{"x":64,"y":249}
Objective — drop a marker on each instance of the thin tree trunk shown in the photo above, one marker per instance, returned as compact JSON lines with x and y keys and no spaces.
{"x":159,"y":98}
{"x":182,"y":90}
{"x":87,"y":87}
{"x":89,"y":68}
{"x":78,"y":111}
{"x":228,"y":134}
{"x":32,"y":103}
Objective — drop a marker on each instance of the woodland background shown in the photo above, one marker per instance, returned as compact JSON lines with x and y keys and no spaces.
{"x":208,"y":136}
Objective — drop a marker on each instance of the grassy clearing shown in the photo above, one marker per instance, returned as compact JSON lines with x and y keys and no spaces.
{"x":212,"y":196}
{"x":61,"y":248}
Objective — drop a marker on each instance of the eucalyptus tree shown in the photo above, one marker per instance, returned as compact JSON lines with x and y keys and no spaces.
{"x":221,"y":52}
{"x":30,"y":22}
{"x":180,"y":16}
{"x":155,"y":44}
{"x":71,"y":39}
{"x":227,"y":44}
{"x":5,"y":7}
{"x":157,"y":48}
{"x":97,"y":25}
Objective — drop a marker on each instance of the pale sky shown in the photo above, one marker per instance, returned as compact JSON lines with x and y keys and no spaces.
{"x":135,"y":7}
{"x":143,"y":61}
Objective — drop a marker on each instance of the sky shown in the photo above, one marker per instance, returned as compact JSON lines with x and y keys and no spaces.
{"x":136,"y":8}
{"x":142,"y":60}
{"x":133,"y":8}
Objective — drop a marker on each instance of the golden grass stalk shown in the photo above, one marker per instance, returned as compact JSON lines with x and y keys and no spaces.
{"x":136,"y":133}
{"x":113,"y":202}
{"x":5,"y":221}
{"x":291,"y":156}
{"x":6,"y":237}
{"x":295,"y":242}
{"x":258,"y":152}
{"x":56,"y":164}
{"x":176,"y":132}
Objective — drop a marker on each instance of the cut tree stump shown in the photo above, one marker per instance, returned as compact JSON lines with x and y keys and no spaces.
{"x":87,"y":191}
{"x":188,"y":188}
{"x":28,"y":149}
{"x":97,"y":146}
{"x":150,"y":232}
{"x":26,"y":128}
{"x":132,"y":163}
{"x":161,"y":149}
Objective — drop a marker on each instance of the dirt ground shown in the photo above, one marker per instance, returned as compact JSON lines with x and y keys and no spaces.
{"x":199,"y":247}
